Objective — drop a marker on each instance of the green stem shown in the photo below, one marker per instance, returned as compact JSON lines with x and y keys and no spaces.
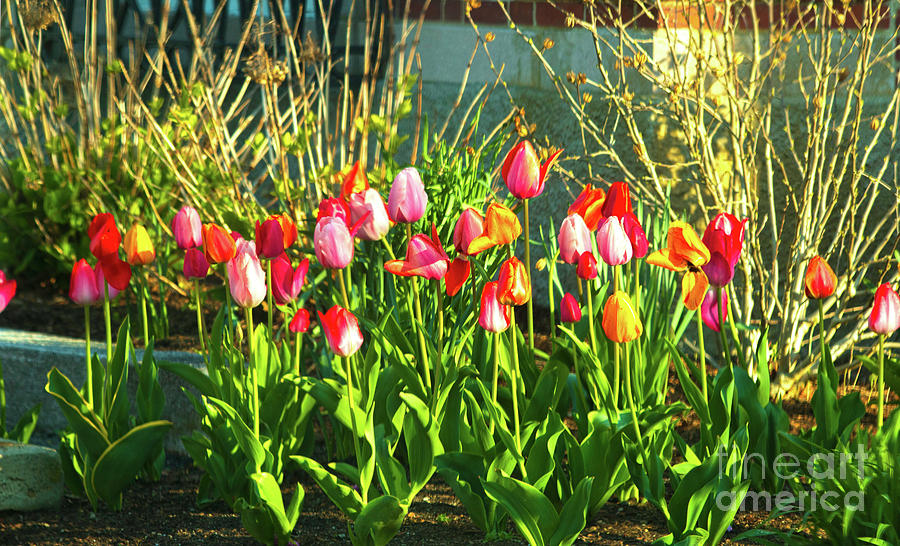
{"x":364,"y":490}
{"x":254,"y":379}
{"x":144,"y":289}
{"x":201,"y":328}
{"x":439,"y":364}
{"x":343,"y":284}
{"x":514,"y":382}
{"x":637,"y":288}
{"x":590,"y":310}
{"x":269,"y":299}
{"x":634,"y":419}
{"x":726,"y":348}
{"x":530,"y":286}
{"x":880,"y":381}
{"x":496,"y":376}
{"x":821,"y":329}
{"x":702,"y":354}
{"x":230,"y":314}
{"x":733,"y":328}
{"x":107,"y":321}
{"x":551,"y":270}
{"x":616,"y":376}
{"x":298,"y":348}
{"x":89,"y":375}
{"x":417,"y":307}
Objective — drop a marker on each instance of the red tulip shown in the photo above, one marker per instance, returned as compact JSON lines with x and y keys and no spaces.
{"x":288,"y":228}
{"x":287,"y":281}
{"x":885,"y":316}
{"x":494,"y":316}
{"x":618,"y":200}
{"x":218,"y":244}
{"x":456,"y":276}
{"x":245,"y":276}
{"x":367,"y":209}
{"x":424,"y":258}
{"x":636,"y":235}
{"x":570,"y":311}
{"x":300,"y":322}
{"x":269,"y":238}
{"x":820,"y":280}
{"x":574,"y":238}
{"x":712,"y":311}
{"x":341,"y":331}
{"x":104,"y":235}
{"x":469,"y":225}
{"x":587,"y":266}
{"x":7,"y":290}
{"x":724,"y":237}
{"x":116,"y":272}
{"x":407,"y":200}
{"x":195,"y":264}
{"x":513,"y":287}
{"x":83,"y":284}
{"x":333,"y":207}
{"x":522,"y":171}
{"x":187,"y":228}
{"x":589,"y":205}
{"x":354,"y":182}
{"x":612,"y":242}
{"x":333,"y":242}
{"x":103,"y":284}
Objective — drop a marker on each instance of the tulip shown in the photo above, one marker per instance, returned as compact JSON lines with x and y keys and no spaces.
{"x":333,"y":243}
{"x":287,"y":281}
{"x":618,"y":200}
{"x":522,"y":171}
{"x":613,"y":243}
{"x":885,"y":316}
{"x":570,"y":312}
{"x":469,"y":226}
{"x":636,"y":235}
{"x":269,"y":238}
{"x":288,"y":229}
{"x":341,"y":331}
{"x":685,"y":252}
{"x":300,"y":323}
{"x":494,"y":316}
{"x":724,"y":237}
{"x":620,"y":320}
{"x":354,"y":182}
{"x":218,"y":245}
{"x":574,"y":238}
{"x":589,"y":205}
{"x":501,"y":227}
{"x":820,"y":280}
{"x":711,"y":307}
{"x":407,"y":200}
{"x":104,"y":236}
{"x":195,"y":264}
{"x":424,"y":258}
{"x":7,"y":290}
{"x":187,"y":228}
{"x":587,"y":266}
{"x":138,"y":247}
{"x":333,"y":207}
{"x":514,"y":287}
{"x":457,"y":274}
{"x":246,"y":279}
{"x":116,"y":272}
{"x":367,"y":208}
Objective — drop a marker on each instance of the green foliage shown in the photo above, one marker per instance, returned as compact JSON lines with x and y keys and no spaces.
{"x":25,"y":426}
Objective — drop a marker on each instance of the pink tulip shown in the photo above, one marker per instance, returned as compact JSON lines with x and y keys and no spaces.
{"x":333,"y":242}
{"x":300,"y":322}
{"x":570,"y":311}
{"x":724,"y":237}
{"x":269,"y":238}
{"x":424,"y":258}
{"x":407,"y":200}
{"x":522,"y":171}
{"x":83,"y":284}
{"x":102,"y":283}
{"x":368,"y":208}
{"x":612,"y":242}
{"x":333,"y":207}
{"x":287,"y":281}
{"x":885,"y":316}
{"x":587,"y":266}
{"x":469,"y":225}
{"x":7,"y":290}
{"x":574,"y":238}
{"x":494,"y":316}
{"x":341,"y":331}
{"x":636,"y":235}
{"x":187,"y":228}
{"x":195,"y":264}
{"x":245,"y":276}
{"x":712,"y":311}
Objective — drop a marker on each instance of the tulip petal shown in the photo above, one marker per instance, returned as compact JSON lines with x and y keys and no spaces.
{"x":665,"y":258}
{"x":693,"y":289}
{"x":456,"y":276}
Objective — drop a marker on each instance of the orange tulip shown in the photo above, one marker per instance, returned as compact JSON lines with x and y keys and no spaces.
{"x":685,"y":252}
{"x":355,"y":181}
{"x":218,"y":246}
{"x":820,"y":280}
{"x":514,"y":288}
{"x":589,"y":205}
{"x":288,"y":229}
{"x":501,"y":227}
{"x":138,"y":247}
{"x":620,"y":320}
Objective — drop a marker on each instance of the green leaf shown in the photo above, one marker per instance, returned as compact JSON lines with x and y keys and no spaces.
{"x":573,"y":516}
{"x":192,"y":375}
{"x":529,"y":509}
{"x":269,"y":493}
{"x":119,"y":465}
{"x":380,"y":519}
{"x":25,"y":426}
{"x":342,"y":495}
{"x":91,"y":433}
{"x":249,"y":443}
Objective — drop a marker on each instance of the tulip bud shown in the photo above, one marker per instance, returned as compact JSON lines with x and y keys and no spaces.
{"x":333,"y":243}
{"x":218,"y":245}
{"x":712,"y":312}
{"x":620,"y":320}
{"x":587,"y":266}
{"x":570,"y":311}
{"x":574,"y":238}
{"x":612,"y":242}
{"x":368,"y":206}
{"x":523,"y":173}
{"x":104,"y":236}
{"x":724,"y":237}
{"x":885,"y":316}
{"x":287,"y":281}
{"x":300,"y":322}
{"x":513,"y":287}
{"x":341,"y":331}
{"x":288,"y":229}
{"x":469,"y":226}
{"x":269,"y":238}
{"x":187,"y":228}
{"x":195,"y":264}
{"x":636,"y":235}
{"x":407,"y":200}
{"x":820,"y":280}
{"x":494,"y":316}
{"x":7,"y":291}
{"x":245,"y":277}
{"x":618,"y":200}
{"x":138,"y":247}
{"x":83,"y":284}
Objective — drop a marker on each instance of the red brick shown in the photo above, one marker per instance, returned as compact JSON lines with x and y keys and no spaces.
{"x":547,"y":15}
{"x":454,"y":10}
{"x":416,"y":6}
